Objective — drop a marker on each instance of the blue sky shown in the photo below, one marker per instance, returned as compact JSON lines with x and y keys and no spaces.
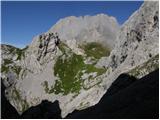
{"x":21,"y":21}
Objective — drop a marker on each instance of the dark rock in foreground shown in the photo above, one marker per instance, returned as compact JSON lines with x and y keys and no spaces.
{"x":45,"y":110}
{"x":7,"y":110}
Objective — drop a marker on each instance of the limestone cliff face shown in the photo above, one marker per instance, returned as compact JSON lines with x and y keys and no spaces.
{"x":77,"y":60}
{"x":101,"y":28}
{"x":138,"y":39}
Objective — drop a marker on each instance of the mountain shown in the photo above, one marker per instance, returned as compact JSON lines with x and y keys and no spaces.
{"x":99,"y":28}
{"x":79,"y":58}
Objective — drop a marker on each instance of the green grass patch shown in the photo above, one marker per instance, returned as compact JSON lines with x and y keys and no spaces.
{"x":95,"y":49}
{"x":68,"y":68}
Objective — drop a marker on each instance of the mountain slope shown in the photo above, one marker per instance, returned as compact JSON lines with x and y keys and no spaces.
{"x":60,"y":70}
{"x":78,"y":59}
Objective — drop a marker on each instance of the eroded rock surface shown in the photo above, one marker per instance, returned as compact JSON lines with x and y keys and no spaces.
{"x":78,"y":59}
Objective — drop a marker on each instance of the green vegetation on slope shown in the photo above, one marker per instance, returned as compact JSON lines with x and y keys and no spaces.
{"x":95,"y":49}
{"x":14,"y":68}
{"x":6,"y":67}
{"x":68,"y":68}
{"x":69,"y":72}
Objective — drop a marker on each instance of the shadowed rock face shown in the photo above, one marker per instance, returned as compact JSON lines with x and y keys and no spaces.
{"x":127,"y":97}
{"x":7,"y":110}
{"x":45,"y":110}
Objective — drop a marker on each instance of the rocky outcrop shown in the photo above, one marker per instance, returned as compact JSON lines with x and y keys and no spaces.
{"x":78,"y":59}
{"x":138,"y":38}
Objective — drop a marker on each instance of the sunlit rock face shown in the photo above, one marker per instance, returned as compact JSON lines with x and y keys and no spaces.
{"x":77,"y":60}
{"x":138,"y":39}
{"x":101,"y":28}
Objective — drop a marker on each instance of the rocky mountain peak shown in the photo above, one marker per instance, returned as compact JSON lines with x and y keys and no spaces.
{"x":101,"y":28}
{"x":78,"y":59}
